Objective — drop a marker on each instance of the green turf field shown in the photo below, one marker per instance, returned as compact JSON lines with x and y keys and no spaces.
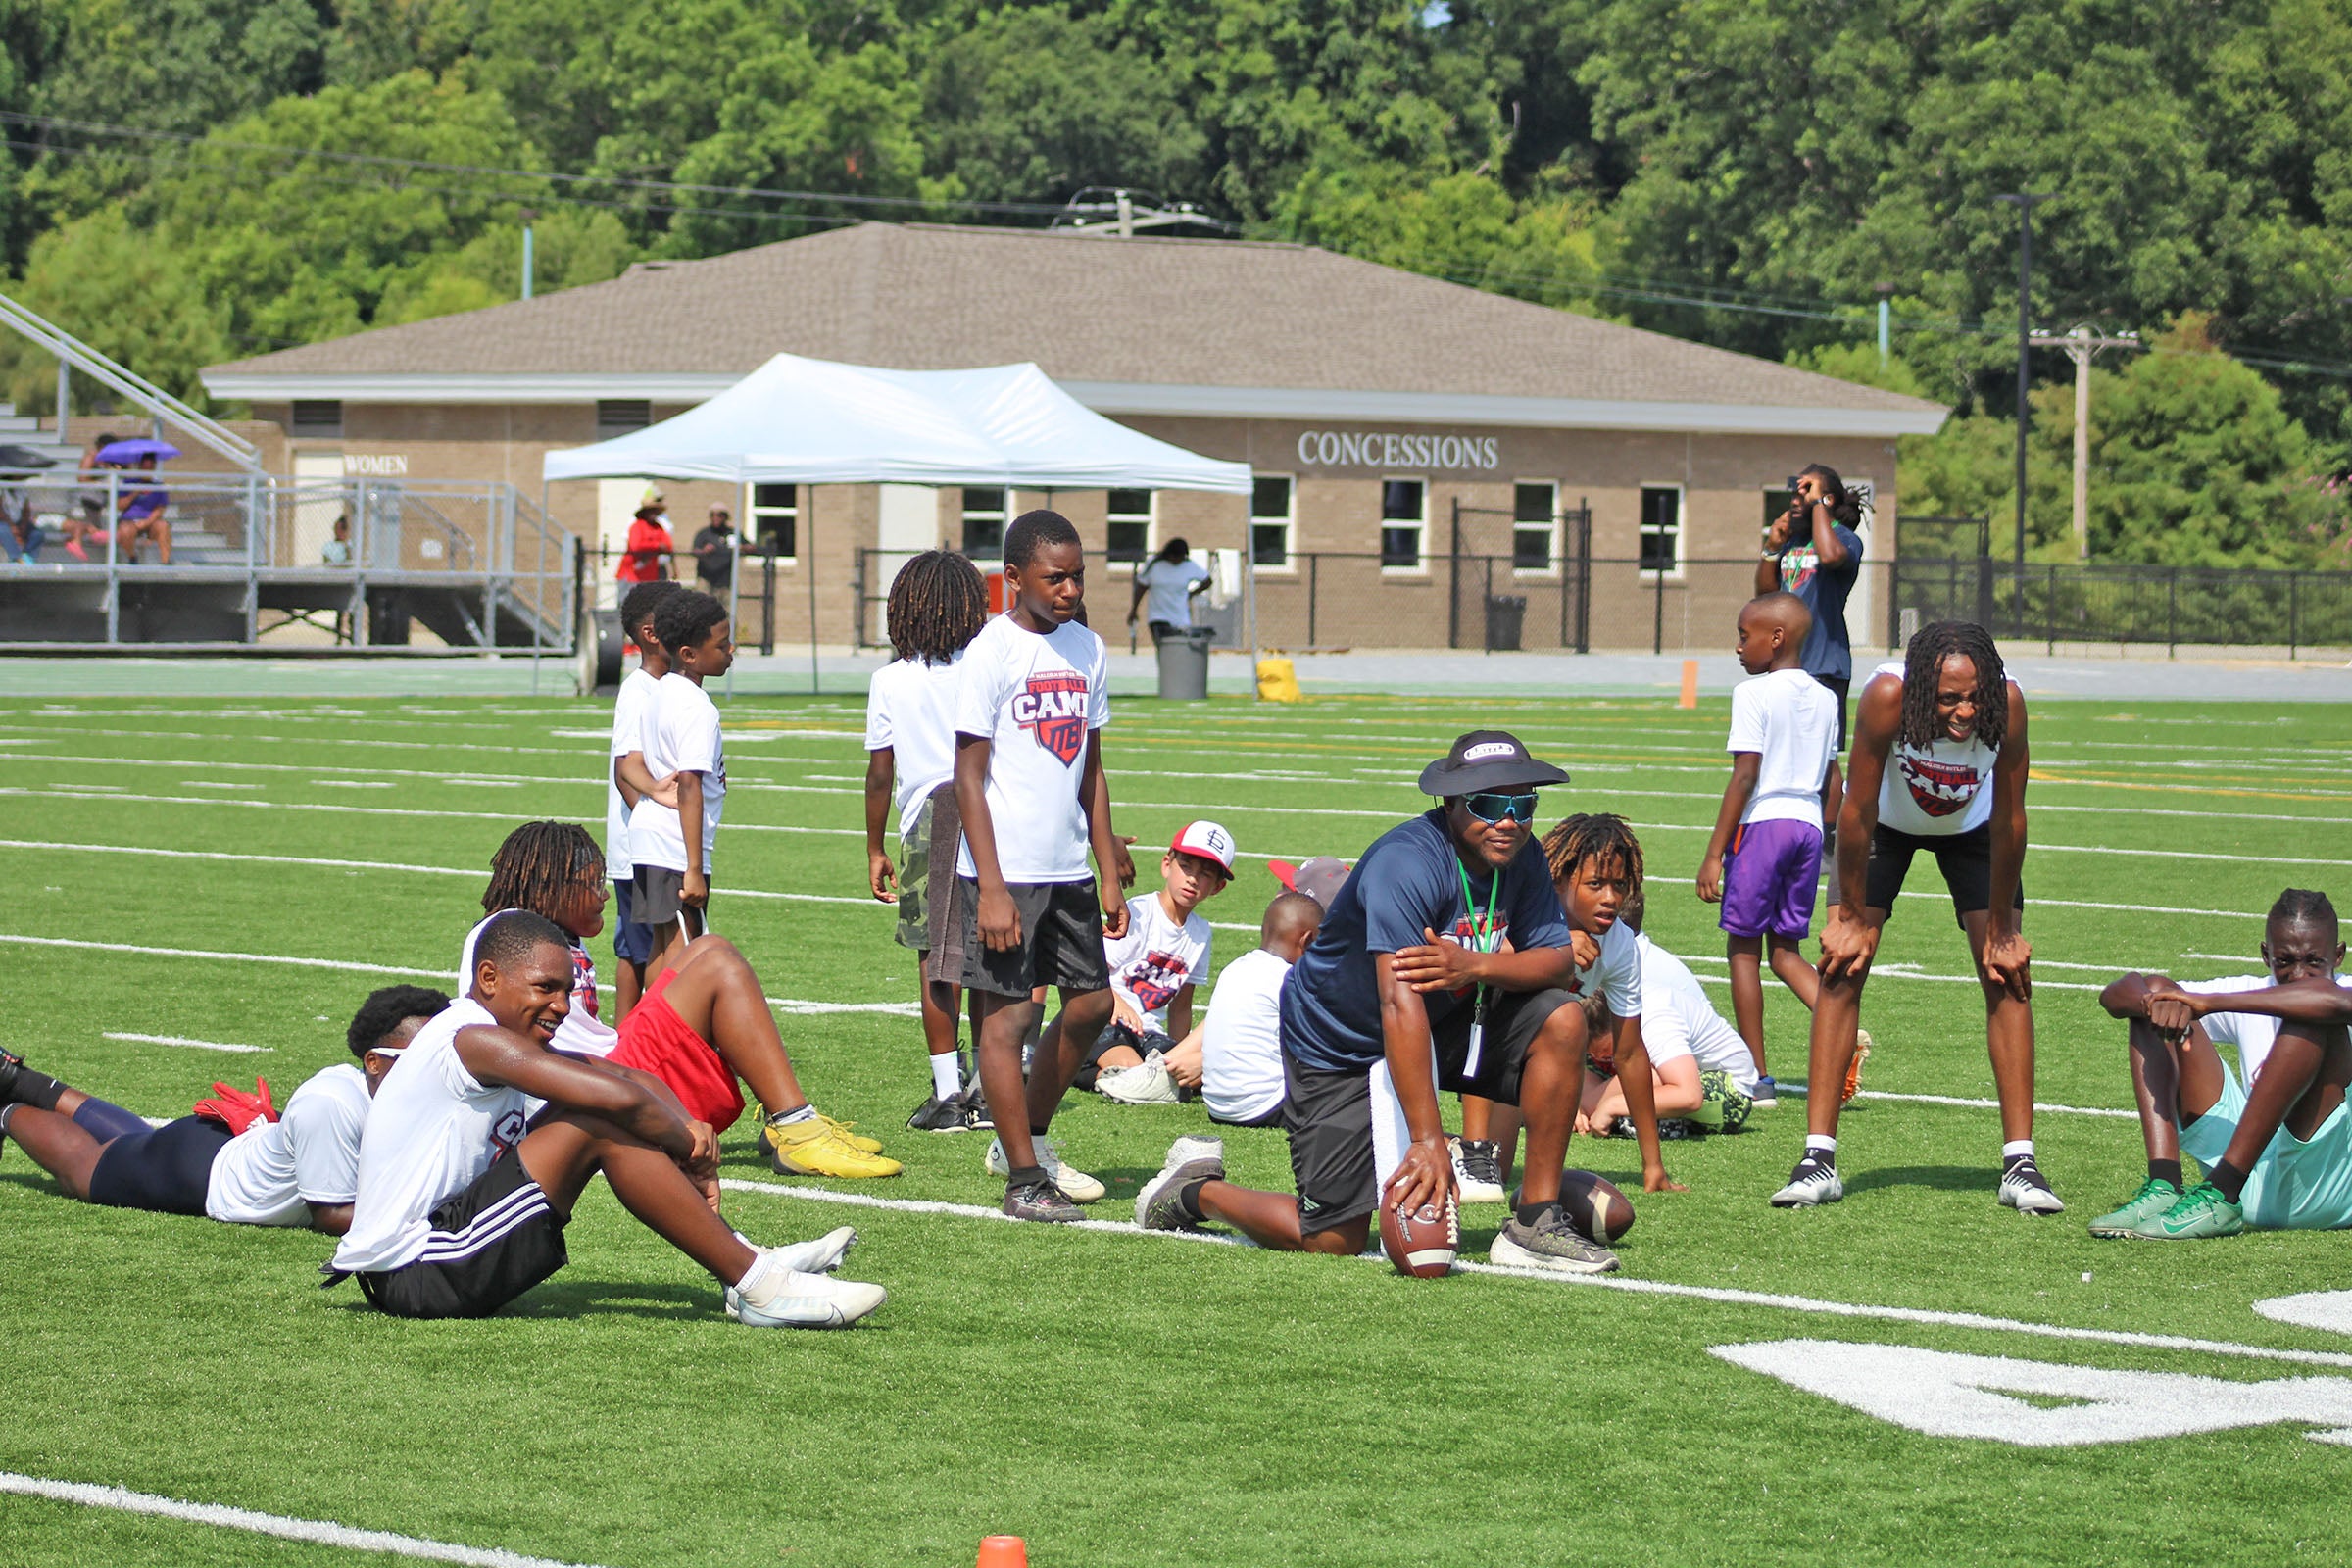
{"x":1116,"y":1398}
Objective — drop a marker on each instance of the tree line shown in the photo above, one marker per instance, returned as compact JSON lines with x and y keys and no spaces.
{"x":194,"y":180}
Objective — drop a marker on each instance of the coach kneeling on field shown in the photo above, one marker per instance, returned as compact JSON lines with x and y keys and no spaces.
{"x":1445,"y":963}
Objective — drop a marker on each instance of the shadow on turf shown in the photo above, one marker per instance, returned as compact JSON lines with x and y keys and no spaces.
{"x":1943,"y":1178}
{"x":568,"y":1300}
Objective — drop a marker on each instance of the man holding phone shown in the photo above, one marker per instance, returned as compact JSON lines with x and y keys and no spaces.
{"x":1812,"y":550}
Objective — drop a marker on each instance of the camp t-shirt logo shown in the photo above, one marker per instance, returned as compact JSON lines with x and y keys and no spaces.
{"x":1053,"y":708}
{"x":1155,"y":978}
{"x":507,"y":1132}
{"x":1466,"y":932}
{"x":1940,"y":789}
{"x":1797,"y":568}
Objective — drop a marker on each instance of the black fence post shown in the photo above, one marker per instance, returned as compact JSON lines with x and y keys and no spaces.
{"x":1584,"y":575}
{"x":1454,"y":582}
{"x":1315,"y":573}
{"x":1657,"y":624}
{"x":2171,"y":614}
{"x":2294,"y":606}
{"x":2049,"y":615}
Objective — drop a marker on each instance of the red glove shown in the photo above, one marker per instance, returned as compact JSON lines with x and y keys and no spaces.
{"x":236,"y":1110}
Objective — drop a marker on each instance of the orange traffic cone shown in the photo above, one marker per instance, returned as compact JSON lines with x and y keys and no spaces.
{"x":1004,"y":1551}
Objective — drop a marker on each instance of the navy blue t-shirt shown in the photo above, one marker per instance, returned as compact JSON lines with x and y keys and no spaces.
{"x":1828,"y":649}
{"x":1411,"y":879}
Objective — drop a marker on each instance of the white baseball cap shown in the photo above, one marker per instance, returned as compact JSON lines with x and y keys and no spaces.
{"x":1208,"y":840}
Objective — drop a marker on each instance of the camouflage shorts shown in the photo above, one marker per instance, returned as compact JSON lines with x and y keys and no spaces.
{"x":915,"y":878}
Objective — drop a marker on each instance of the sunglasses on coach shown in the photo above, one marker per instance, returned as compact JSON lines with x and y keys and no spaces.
{"x":1491,"y":808}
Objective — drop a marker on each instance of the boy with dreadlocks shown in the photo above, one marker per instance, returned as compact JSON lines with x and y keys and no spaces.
{"x":2274,"y":1136}
{"x":938,"y":604}
{"x":703,"y":1023}
{"x":1938,"y":763}
{"x":1595,"y":866}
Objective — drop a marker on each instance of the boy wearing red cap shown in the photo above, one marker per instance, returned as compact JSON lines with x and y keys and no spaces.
{"x":1154,"y":967}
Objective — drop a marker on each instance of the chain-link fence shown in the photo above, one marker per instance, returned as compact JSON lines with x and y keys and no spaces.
{"x":752,"y":601}
{"x":2104,"y":602}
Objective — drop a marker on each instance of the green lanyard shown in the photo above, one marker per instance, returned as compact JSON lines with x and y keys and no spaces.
{"x":1484,"y":938}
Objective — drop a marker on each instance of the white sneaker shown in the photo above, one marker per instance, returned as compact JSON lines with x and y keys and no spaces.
{"x":1476,"y":1170}
{"x":1147,"y":1083}
{"x":2025,"y":1188}
{"x":1809,"y":1186}
{"x":1076,"y":1185}
{"x":786,"y":1298}
{"x":820,"y":1256}
{"x":1190,"y":1159}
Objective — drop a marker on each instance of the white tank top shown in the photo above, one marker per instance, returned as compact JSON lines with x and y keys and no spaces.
{"x":1938,"y":791}
{"x":433,"y":1128}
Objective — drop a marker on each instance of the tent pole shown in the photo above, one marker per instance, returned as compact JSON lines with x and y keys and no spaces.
{"x":1249,"y":587}
{"x":735,"y":592}
{"x":808,"y":570}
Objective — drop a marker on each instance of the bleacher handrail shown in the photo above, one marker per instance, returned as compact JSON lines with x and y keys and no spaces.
{"x":56,"y":340}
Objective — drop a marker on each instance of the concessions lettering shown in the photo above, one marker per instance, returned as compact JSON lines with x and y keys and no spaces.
{"x":1392,"y":449}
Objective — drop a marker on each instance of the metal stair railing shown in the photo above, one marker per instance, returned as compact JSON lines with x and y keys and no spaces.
{"x":146,"y":394}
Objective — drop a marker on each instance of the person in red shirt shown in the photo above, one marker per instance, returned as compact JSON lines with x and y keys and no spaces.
{"x":644,"y":558}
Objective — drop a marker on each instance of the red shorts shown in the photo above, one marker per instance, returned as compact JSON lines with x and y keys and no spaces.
{"x":655,"y":1038}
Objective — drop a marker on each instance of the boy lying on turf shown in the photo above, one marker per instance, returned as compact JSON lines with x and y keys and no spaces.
{"x":300,"y":1167}
{"x":1701,"y":1071}
{"x":702,"y":1024}
{"x":463,"y":1193}
{"x":2273,"y":1136}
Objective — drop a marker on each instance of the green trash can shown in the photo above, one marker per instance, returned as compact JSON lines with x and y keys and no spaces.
{"x":1184,"y":663}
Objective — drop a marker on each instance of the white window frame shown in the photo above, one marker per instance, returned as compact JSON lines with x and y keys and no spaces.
{"x":1420,"y":527}
{"x":751,"y":513}
{"x":1681,"y":531}
{"x":1288,"y":522}
{"x":964,"y":512}
{"x":1127,"y":568}
{"x":1553,"y":543}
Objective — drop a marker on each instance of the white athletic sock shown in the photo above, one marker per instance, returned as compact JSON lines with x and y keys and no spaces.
{"x":1820,"y":1140}
{"x":2016,"y":1147}
{"x":761,"y":1263}
{"x":947,"y":1082}
{"x":791,"y":1117}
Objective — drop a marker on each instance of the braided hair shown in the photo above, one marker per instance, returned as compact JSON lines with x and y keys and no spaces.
{"x":540,"y":865}
{"x":2303,"y":906}
{"x":1845,"y":506}
{"x":1574,"y":840}
{"x":938,"y":604}
{"x":1923,"y":664}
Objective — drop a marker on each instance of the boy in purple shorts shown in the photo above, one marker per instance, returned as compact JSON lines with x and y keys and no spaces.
{"x":1763,"y":859}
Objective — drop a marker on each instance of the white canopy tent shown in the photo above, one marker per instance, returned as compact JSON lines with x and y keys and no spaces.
{"x":798,"y":421}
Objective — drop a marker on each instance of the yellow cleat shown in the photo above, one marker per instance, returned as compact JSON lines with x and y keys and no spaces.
{"x":818,"y":1147}
{"x":850,"y":1136}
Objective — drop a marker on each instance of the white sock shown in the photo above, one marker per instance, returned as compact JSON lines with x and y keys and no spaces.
{"x":2016,"y":1147}
{"x":1820,"y":1140}
{"x":791,"y":1117}
{"x":946,"y":1081}
{"x":760,"y":1262}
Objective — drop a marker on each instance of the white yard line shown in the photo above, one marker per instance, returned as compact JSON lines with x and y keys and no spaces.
{"x":317,"y":1532}
{"x":184,"y":1040}
{"x":1796,"y":1087}
{"x":1703,"y":1293}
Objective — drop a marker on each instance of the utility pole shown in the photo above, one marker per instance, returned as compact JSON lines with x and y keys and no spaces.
{"x":528,"y":218}
{"x":2024,"y":200}
{"x":2080,"y":345}
{"x":1886,"y":291}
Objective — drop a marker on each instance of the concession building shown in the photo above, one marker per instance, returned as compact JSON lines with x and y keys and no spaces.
{"x":1435,"y":465}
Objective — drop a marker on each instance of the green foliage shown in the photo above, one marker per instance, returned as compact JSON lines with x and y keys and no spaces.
{"x":127,"y":294}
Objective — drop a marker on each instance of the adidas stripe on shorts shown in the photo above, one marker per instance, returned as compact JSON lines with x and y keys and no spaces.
{"x":490,"y":1243}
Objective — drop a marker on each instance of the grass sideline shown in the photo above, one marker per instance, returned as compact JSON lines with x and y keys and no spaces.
{"x":1113,"y":1398}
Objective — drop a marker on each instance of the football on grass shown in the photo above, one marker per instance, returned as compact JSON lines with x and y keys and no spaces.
{"x":1596,"y":1207}
{"x":1422,"y":1241}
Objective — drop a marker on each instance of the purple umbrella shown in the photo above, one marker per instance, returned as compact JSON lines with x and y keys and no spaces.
{"x":133,"y":449}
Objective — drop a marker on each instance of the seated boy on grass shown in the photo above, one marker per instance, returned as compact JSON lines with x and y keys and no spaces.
{"x":2273,"y":1136}
{"x":1155,"y":968}
{"x":1235,"y":1057}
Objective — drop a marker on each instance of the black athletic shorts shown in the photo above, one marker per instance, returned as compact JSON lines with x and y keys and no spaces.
{"x":490,"y":1243}
{"x":1964,"y":859}
{"x":1329,"y":1114}
{"x":655,"y":901}
{"x":168,"y":1169}
{"x":1110,"y":1039}
{"x":1062,"y":940}
{"x":1839,"y":685}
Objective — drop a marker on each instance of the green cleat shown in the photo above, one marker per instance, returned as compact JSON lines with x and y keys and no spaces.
{"x":2201,"y":1212}
{"x":2155,"y":1196}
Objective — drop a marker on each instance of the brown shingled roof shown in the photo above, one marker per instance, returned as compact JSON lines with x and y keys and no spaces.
{"x":1170,"y":312}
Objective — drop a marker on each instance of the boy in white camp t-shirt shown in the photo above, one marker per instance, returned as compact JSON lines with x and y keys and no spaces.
{"x":1155,"y":968}
{"x":1763,"y":860}
{"x":626,"y":781}
{"x":1702,"y":1074}
{"x":1036,"y":688}
{"x":672,"y":845}
{"x":938,"y":604}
